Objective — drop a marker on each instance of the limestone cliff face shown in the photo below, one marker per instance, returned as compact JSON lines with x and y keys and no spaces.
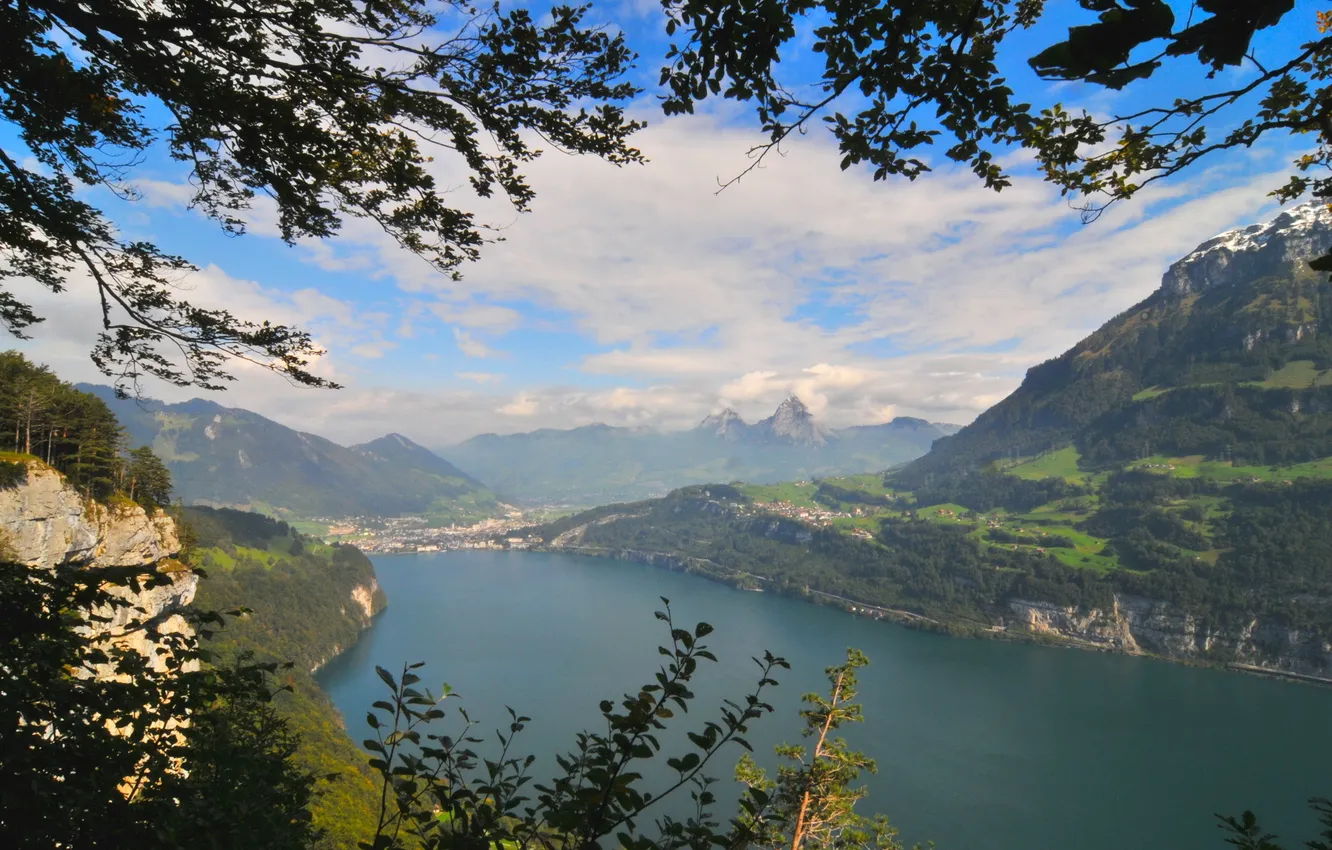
{"x":46,"y":523}
{"x":1136,"y":624}
{"x":364,"y":597}
{"x":1246,"y":253}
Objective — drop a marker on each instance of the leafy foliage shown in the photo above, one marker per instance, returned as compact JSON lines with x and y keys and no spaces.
{"x":94,"y":733}
{"x":12,"y":473}
{"x":920,"y":73}
{"x":76,"y":433}
{"x":811,"y":802}
{"x":148,"y":480}
{"x":1247,"y":834}
{"x":328,"y":110}
{"x":439,"y":792}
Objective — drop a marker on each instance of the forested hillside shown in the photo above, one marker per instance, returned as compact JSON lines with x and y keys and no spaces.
{"x":1230,"y":359}
{"x":229,"y":457}
{"x":304,"y":602}
{"x":1146,"y":561}
{"x":44,"y":418}
{"x":1163,"y":486}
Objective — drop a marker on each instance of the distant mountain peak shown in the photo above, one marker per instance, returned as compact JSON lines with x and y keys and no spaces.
{"x":792,"y":423}
{"x":728,"y":425}
{"x":1258,"y":250}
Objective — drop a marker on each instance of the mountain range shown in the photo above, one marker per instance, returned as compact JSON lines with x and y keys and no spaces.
{"x":229,"y":457}
{"x":1230,"y":358}
{"x":596,"y":464}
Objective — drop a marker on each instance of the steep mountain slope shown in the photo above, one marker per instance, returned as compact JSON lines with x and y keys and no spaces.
{"x":728,"y":425}
{"x":306,"y":601}
{"x":598,"y":463}
{"x":397,"y":449}
{"x":790,"y":423}
{"x":232,"y":457}
{"x":1229,"y":358}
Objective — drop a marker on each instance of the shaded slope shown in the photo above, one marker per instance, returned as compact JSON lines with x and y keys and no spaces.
{"x":232,"y":457}
{"x":1229,"y":356}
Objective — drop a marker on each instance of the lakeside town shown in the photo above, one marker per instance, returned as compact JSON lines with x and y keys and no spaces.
{"x":414,"y":533}
{"x":407,"y":534}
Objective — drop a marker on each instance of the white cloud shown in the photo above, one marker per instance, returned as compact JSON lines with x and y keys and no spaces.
{"x":490,"y":317}
{"x":868,"y":300}
{"x":480,"y":377}
{"x":522,"y":405}
{"x":470,"y":346}
{"x":698,"y":292}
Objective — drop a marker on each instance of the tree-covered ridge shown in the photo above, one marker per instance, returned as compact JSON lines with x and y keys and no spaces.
{"x":297,"y":593}
{"x":226,"y":456}
{"x":260,"y":764}
{"x":44,"y":418}
{"x":962,"y":549}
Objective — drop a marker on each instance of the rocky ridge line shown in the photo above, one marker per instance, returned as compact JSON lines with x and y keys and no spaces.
{"x":1246,"y":253}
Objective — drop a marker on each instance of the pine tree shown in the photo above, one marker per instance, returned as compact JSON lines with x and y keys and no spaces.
{"x":148,"y":480}
{"x":810,"y":805}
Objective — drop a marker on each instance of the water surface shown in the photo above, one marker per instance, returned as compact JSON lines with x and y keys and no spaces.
{"x":982,"y":745}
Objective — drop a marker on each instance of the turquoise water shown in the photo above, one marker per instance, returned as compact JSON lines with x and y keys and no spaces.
{"x":980,"y":744}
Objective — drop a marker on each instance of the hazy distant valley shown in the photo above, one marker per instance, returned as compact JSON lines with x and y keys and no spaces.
{"x":230,"y":457}
{"x":599,"y":463}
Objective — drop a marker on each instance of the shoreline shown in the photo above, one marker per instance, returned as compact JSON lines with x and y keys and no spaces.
{"x":910,"y":619}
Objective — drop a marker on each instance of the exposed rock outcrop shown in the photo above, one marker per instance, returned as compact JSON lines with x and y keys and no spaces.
{"x":364,"y":595}
{"x":727,"y":425}
{"x":791,"y":423}
{"x":1246,"y":253}
{"x":46,"y":523}
{"x":1136,"y":624}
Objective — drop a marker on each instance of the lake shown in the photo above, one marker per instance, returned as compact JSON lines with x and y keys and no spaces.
{"x":981,"y":745}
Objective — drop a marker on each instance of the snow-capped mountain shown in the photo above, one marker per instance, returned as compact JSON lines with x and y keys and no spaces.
{"x":1297,"y":235}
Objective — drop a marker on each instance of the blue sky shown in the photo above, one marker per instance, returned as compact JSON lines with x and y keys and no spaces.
{"x":640,"y":296}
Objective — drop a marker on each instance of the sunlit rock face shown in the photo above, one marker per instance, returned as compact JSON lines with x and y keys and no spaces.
{"x":46,"y":523}
{"x":1248,"y":253}
{"x":791,"y":423}
{"x":1138,"y":624}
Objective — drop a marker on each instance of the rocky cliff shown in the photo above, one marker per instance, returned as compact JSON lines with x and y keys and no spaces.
{"x":1247,"y":253}
{"x":727,"y":425}
{"x":1135,"y":624}
{"x":791,"y":423}
{"x":46,"y":523}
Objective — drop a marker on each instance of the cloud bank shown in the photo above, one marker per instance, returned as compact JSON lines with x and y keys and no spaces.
{"x":642,"y":296}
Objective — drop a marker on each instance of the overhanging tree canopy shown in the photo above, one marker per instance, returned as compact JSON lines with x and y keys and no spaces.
{"x":329,"y":108}
{"x":921,"y":73}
